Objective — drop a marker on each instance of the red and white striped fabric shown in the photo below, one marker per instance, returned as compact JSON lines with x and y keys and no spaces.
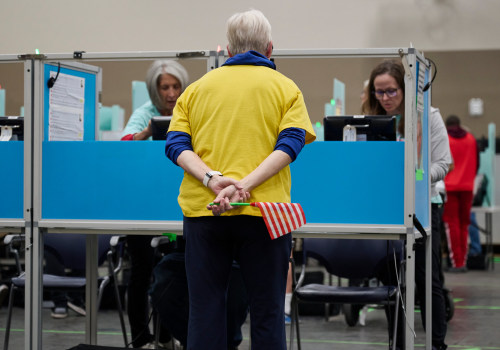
{"x":281,"y":218}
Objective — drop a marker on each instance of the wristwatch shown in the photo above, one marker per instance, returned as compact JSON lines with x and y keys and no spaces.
{"x":209,"y":175}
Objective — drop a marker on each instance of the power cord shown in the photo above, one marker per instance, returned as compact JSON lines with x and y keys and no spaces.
{"x":52,"y":80}
{"x":428,"y":85}
{"x":401,"y":294}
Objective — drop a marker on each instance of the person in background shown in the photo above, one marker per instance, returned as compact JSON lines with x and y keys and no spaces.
{"x":234,"y":132}
{"x":170,"y":299}
{"x":475,"y":249}
{"x":475,"y":256}
{"x":386,"y":97}
{"x":165,"y":80}
{"x":63,"y":300}
{"x":459,"y":188}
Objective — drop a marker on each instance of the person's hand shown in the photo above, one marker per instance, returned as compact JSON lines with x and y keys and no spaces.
{"x":146,"y":133}
{"x":218,"y":183}
{"x":148,"y":130}
{"x":230,"y":194}
{"x":240,"y":195}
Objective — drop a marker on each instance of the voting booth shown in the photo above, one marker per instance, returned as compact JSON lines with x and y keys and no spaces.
{"x":70,"y":182}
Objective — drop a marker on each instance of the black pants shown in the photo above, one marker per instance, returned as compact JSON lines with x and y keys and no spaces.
{"x":387,"y":276}
{"x":169,"y":296}
{"x":54,"y":266}
{"x":142,"y":261}
{"x":212,"y":243}
{"x":439,"y":325}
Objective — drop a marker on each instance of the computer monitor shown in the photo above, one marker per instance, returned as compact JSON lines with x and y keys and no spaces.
{"x":159,"y":126}
{"x":360,"y":128}
{"x":15,"y":125}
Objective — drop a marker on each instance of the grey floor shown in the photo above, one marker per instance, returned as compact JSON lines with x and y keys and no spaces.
{"x":475,"y":325}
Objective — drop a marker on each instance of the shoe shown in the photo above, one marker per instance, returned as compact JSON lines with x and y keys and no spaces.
{"x":59,"y":312}
{"x":4,"y":291}
{"x":78,"y":309}
{"x":288,"y":319}
{"x":440,"y":347}
{"x":168,"y":345}
{"x":457,"y":269}
{"x":162,"y":346}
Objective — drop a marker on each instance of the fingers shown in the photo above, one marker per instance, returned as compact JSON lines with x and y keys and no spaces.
{"x":220,"y":206}
{"x":226,"y":196}
{"x":240,"y":196}
{"x":244,"y":195}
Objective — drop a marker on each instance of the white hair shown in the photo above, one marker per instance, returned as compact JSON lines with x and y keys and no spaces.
{"x":247,"y":31}
{"x":156,"y":70}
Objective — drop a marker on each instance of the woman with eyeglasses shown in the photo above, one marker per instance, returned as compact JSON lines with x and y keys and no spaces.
{"x":386,"y":92}
{"x":387,"y":97}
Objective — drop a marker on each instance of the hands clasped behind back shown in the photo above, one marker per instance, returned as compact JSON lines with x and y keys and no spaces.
{"x":228,"y":190}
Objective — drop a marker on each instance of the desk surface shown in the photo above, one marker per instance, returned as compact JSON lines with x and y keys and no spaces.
{"x":492,"y":210}
{"x":145,"y":227}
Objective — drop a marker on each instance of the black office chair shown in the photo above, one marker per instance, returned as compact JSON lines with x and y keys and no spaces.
{"x":351,"y":259}
{"x":70,"y":250}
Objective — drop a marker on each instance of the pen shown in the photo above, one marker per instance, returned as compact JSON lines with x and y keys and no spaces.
{"x":231,"y":204}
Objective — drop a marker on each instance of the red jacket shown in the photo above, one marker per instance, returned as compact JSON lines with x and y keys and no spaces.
{"x":464,"y":153}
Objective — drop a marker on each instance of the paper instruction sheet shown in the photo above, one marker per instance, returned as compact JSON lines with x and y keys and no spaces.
{"x":66,"y":108}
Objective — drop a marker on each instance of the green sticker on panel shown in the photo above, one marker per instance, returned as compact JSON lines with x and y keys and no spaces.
{"x":171,"y":236}
{"x":419,"y":174}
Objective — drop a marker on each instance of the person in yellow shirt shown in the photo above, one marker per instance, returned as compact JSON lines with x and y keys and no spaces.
{"x":234,"y":132}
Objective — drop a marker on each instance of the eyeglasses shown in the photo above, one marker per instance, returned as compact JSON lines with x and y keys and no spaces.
{"x":379,"y":94}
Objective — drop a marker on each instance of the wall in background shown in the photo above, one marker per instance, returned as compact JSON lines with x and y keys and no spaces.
{"x":55,"y":26}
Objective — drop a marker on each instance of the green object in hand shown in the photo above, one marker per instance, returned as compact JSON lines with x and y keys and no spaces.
{"x":232,"y":204}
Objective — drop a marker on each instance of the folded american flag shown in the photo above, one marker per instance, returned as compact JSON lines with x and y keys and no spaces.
{"x":281,"y":218}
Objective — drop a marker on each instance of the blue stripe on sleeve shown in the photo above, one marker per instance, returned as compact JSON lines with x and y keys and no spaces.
{"x":291,"y":141}
{"x":177,"y":141}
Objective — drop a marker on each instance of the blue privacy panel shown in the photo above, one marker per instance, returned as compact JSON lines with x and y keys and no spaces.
{"x":336,"y":182}
{"x":113,"y":180}
{"x":11,"y":180}
{"x":350,"y":182}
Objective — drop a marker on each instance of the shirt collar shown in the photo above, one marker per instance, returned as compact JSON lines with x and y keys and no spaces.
{"x":251,"y":58}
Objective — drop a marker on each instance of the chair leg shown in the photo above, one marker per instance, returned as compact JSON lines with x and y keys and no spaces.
{"x":297,"y":328}
{"x":120,"y":309}
{"x":294,"y":325}
{"x":102,"y":286}
{"x":156,"y":317}
{"x":395,"y":330}
{"x":9,"y":318}
{"x":112,"y":278}
{"x":292,"y":322}
{"x":249,"y":332}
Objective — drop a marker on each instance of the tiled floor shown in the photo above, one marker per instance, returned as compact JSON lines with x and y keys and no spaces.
{"x":475,"y":325}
